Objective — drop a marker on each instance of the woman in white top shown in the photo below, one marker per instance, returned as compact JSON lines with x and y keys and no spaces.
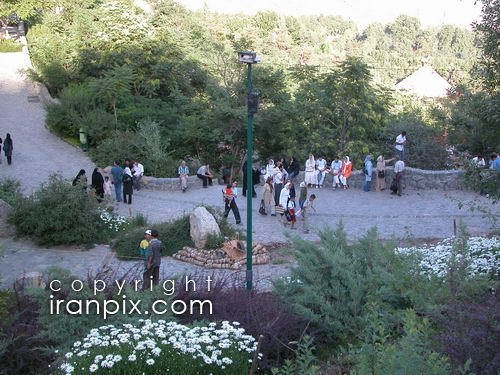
{"x":269,"y":169}
{"x":310,"y":177}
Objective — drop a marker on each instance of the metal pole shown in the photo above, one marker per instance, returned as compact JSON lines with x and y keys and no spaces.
{"x":249,"y":273}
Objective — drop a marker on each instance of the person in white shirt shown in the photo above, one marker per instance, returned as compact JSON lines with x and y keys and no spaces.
{"x":138,"y":173}
{"x":269,"y":169}
{"x":278,"y":184}
{"x":396,"y":185}
{"x":479,"y":161}
{"x":205,"y":175}
{"x":321,"y":166}
{"x":310,"y":173}
{"x":400,"y":145}
{"x":335,"y":170}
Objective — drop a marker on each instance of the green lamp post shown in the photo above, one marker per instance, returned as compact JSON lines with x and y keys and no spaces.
{"x":249,"y":58}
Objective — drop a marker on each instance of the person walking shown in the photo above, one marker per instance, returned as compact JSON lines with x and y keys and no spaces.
{"x":8,"y":147}
{"x":80,"y":179}
{"x":204,"y":174}
{"x":151,"y":275}
{"x":0,"y":150}
{"x":368,"y":171}
{"x":183,"y":172}
{"x":302,"y":194}
{"x":396,"y":186}
{"x":278,"y":184}
{"x":128,"y":185}
{"x":380,"y":183}
{"x":97,"y":183}
{"x":306,"y":207}
{"x":117,"y":174}
{"x":283,"y":200}
{"x":230,"y":203}
{"x":400,"y":146}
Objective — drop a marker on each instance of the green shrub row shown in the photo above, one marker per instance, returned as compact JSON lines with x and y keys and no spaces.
{"x":9,"y":45}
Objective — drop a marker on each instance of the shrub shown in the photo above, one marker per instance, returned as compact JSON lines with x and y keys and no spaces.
{"x":410,"y":354}
{"x":260,"y":313}
{"x":304,"y":361}
{"x":161,"y":347}
{"x":482,"y":180}
{"x":469,"y":334}
{"x":119,"y":146}
{"x":10,"y":191}
{"x":334,"y":282}
{"x":59,"y":213}
{"x":22,"y":349}
{"x":214,"y":241}
{"x":9,"y":45}
{"x":173,"y":234}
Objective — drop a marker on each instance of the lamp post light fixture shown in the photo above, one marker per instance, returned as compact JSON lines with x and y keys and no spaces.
{"x":249,"y":58}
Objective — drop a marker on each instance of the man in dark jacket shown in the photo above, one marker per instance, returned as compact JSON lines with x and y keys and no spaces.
{"x":152,"y":262}
{"x":255,"y":176}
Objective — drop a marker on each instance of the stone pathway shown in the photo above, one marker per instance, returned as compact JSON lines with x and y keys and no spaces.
{"x":38,"y":153}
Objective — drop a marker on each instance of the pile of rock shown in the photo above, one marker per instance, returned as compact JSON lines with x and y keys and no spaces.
{"x":222,"y":258}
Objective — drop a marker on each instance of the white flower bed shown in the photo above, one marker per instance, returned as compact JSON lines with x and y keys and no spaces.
{"x":166,"y":344}
{"x":114,"y":222}
{"x":483,"y":255}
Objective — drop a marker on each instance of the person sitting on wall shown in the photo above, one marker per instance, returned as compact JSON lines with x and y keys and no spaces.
{"x":205,"y":175}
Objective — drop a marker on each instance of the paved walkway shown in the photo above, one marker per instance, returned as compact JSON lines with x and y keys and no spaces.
{"x":38,"y":153}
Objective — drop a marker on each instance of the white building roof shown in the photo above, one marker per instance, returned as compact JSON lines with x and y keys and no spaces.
{"x":425,"y":82}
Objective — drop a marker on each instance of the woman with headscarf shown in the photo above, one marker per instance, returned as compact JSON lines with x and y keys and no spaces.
{"x":380,"y":173}
{"x":80,"y":179}
{"x":128,"y":188}
{"x":268,"y":196}
{"x":98,"y":184}
{"x":368,"y":171}
{"x":310,"y":177}
{"x":284,"y":198}
{"x":8,"y":147}
{"x":345,"y":172}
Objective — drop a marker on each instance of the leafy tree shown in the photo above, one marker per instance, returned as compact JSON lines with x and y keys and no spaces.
{"x":488,"y":67}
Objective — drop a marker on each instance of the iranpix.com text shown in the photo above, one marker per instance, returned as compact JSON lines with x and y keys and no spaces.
{"x":121,"y":304}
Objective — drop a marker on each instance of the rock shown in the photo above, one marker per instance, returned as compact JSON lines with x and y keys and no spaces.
{"x":6,"y":230}
{"x":29,"y":280}
{"x":202,"y":223}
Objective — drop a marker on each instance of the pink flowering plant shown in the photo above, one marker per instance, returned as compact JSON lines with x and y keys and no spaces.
{"x":161,"y":348}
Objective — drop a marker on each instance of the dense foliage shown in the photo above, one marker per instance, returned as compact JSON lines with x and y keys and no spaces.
{"x":59,"y":213}
{"x":324,"y":85}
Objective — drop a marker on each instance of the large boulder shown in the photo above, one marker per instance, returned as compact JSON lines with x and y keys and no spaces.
{"x":202,"y":223}
{"x":6,"y":230}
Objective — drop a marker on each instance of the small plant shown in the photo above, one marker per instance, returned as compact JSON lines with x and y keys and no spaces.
{"x":214,"y":241}
{"x":10,"y":191}
{"x":9,"y":45}
{"x":304,"y":361}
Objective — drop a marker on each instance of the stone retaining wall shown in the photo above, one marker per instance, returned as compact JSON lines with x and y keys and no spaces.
{"x":414,"y":179}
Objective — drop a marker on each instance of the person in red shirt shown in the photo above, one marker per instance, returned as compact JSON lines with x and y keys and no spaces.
{"x":230,"y":203}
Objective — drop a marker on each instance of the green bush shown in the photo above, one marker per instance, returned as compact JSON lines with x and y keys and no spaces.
{"x":9,"y":45}
{"x":59,"y":214}
{"x":10,"y":191}
{"x":214,"y":241}
{"x":410,"y":354}
{"x":482,"y":180}
{"x":305,"y":362}
{"x":334,"y":282}
{"x":173,"y":234}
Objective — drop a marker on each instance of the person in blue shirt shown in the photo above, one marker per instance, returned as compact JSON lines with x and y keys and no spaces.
{"x":495,"y":162}
{"x":368,"y":172}
{"x":117,"y":174}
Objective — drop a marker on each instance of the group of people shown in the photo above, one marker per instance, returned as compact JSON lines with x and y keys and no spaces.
{"x":494,"y":162}
{"x":124,"y":180}
{"x":8,"y":146}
